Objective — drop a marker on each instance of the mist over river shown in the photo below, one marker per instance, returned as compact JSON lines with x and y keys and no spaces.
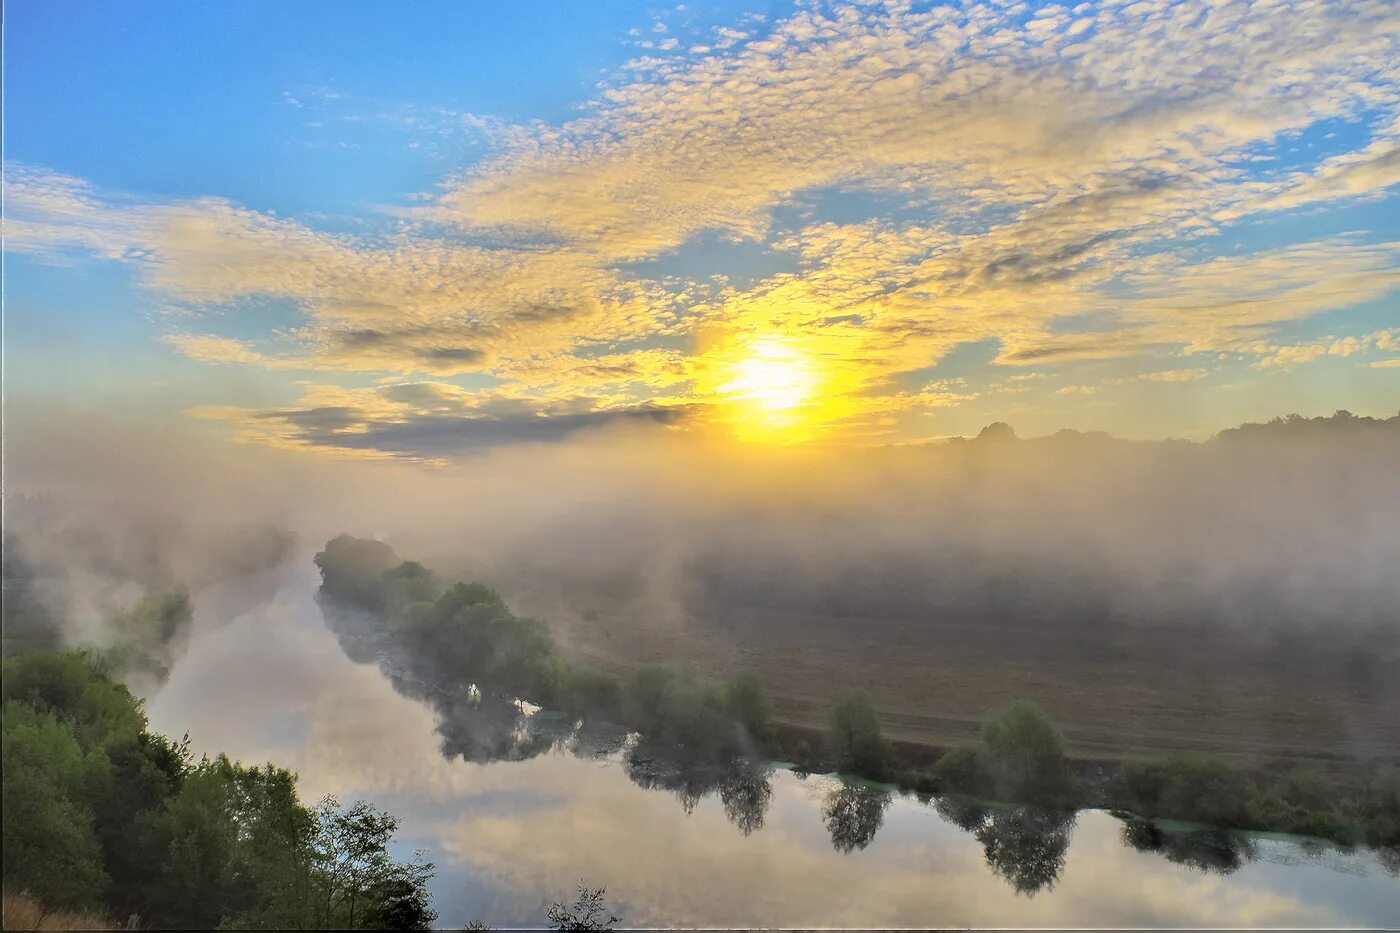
{"x":266,"y":679}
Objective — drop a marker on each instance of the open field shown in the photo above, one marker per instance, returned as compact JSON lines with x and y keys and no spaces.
{"x":1117,"y":691}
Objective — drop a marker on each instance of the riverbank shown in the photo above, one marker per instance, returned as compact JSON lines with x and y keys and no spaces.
{"x":466,"y":634}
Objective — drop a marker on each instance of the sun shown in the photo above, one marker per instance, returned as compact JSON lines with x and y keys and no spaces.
{"x":767,"y":388}
{"x":773,"y":375}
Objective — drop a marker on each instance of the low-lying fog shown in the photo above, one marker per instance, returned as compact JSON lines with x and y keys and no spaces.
{"x":1289,"y":524}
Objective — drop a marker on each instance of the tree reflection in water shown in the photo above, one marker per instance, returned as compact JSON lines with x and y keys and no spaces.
{"x":1207,"y":850}
{"x":1024,"y":845}
{"x":853,"y":814}
{"x":744,"y":784}
{"x":746,"y":792}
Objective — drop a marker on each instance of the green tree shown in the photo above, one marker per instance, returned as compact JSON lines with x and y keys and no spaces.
{"x":191,"y":847}
{"x":73,"y":686}
{"x":352,"y":570}
{"x":409,"y":582}
{"x":857,"y":738}
{"x":746,"y":702}
{"x":361,"y":885}
{"x":1025,"y":754}
{"x":50,"y":846}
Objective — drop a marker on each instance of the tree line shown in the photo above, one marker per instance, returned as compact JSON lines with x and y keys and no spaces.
{"x":466,"y":633}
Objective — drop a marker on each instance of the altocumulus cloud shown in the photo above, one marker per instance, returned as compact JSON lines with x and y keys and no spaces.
{"x":1049,"y":164}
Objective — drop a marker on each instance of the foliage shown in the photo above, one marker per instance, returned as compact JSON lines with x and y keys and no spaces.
{"x":361,"y":886}
{"x":1190,"y":787}
{"x":745,"y":701}
{"x":857,"y":739}
{"x":1024,"y":755}
{"x":50,"y":846}
{"x":101,"y":815}
{"x":144,"y":634}
{"x":409,"y":582}
{"x":961,"y":769}
{"x":352,"y":569}
{"x":1379,"y":809}
{"x":587,"y":913}
{"x":467,"y":634}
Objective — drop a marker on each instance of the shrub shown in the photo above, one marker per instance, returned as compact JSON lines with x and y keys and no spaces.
{"x":857,"y":740}
{"x":1189,"y":787}
{"x":961,"y":769}
{"x":746,"y":702}
{"x":1379,"y":810}
{"x":1024,"y":754}
{"x":918,"y":780}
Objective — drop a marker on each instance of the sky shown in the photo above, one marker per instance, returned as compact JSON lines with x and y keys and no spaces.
{"x":416,"y":231}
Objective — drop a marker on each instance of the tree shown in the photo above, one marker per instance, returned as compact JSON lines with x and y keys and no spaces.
{"x":746,"y":702}
{"x":1025,"y":754}
{"x":856,"y":736}
{"x":409,"y":582}
{"x":352,"y":570}
{"x":361,"y":886}
{"x":587,"y":913}
{"x":190,"y":845}
{"x":50,"y":847}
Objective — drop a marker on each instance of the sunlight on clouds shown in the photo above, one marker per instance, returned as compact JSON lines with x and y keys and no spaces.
{"x":1094,"y":168}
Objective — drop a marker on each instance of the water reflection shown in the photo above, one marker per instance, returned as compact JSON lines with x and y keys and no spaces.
{"x":512,"y":833}
{"x":853,"y":814}
{"x":482,"y":728}
{"x":1206,"y":850}
{"x":746,"y":793}
{"x":1026,"y":846}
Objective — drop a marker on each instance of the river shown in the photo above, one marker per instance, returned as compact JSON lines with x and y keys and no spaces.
{"x":516,"y":808}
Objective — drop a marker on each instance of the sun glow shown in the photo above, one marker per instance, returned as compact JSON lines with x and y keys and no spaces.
{"x":768,"y":389}
{"x":774,"y":376}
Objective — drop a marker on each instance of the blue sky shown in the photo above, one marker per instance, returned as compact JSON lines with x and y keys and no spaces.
{"x":860,"y":224}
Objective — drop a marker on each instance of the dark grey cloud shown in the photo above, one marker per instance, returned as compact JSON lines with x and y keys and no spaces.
{"x":431,"y":435}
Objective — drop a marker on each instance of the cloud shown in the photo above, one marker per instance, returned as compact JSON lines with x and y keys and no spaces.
{"x":1061,"y":167}
{"x":1274,"y":356}
{"x":427,"y":421}
{"x":1174,"y":375}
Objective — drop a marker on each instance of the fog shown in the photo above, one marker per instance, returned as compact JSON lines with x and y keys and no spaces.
{"x":1292,"y":524}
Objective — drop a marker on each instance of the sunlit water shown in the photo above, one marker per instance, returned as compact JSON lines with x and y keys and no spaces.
{"x":265,"y":679}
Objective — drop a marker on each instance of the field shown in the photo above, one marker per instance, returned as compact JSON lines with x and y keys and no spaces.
{"x":1118,"y":691}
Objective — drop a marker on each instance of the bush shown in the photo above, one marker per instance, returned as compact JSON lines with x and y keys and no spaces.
{"x":746,"y":702}
{"x":857,"y":739}
{"x":961,"y":769}
{"x":919,"y":780}
{"x":1024,"y":754}
{"x":1379,"y":809}
{"x":1189,"y":787}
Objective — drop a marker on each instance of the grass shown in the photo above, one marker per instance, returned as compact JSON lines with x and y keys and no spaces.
{"x":23,"y":912}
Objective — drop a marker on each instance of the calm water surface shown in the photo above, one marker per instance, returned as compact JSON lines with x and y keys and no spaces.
{"x":265,"y":679}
